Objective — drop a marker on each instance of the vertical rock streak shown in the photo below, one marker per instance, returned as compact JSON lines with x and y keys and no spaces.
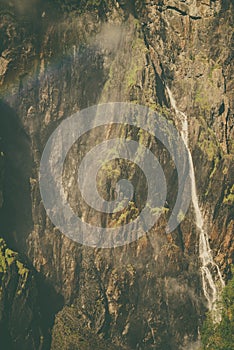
{"x":212,"y":281}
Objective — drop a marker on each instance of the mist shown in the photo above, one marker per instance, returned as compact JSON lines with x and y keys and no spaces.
{"x":23,"y":7}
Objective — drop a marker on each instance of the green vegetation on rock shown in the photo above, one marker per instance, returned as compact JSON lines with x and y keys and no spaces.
{"x":220,"y":336}
{"x":229,"y":196}
{"x":20,"y":319}
{"x":201,"y":100}
{"x":137,"y":63}
{"x":207,"y":141}
{"x":3,"y":264}
{"x":7,"y":258}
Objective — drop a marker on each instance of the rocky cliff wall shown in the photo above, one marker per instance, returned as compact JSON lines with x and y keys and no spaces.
{"x":148,"y":294}
{"x":20,"y":317}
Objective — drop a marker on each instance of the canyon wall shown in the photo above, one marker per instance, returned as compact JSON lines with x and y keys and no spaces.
{"x":62,"y":57}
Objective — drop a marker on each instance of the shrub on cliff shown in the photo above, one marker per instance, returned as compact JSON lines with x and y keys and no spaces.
{"x":221,"y":336}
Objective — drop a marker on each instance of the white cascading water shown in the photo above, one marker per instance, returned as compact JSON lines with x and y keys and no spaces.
{"x":212,"y":281}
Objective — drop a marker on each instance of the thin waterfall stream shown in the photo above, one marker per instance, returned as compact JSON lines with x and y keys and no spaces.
{"x":212,"y":281}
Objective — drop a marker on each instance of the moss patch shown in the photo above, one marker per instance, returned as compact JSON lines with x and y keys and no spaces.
{"x":207,"y":141}
{"x":139,"y":50}
{"x":3,"y":264}
{"x":229,"y":196}
{"x":201,"y":100}
{"x":7,"y":258}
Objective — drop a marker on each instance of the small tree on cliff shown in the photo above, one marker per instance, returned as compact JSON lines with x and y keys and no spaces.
{"x":221,"y":336}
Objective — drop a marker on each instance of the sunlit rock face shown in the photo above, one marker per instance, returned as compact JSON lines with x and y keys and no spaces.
{"x":148,"y":294}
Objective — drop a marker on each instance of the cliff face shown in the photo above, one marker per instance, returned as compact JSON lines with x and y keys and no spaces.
{"x":20,"y":317}
{"x":146,"y":295}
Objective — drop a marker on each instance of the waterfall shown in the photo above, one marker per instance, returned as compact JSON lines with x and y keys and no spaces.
{"x":212,"y":281}
{"x":74,"y":52}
